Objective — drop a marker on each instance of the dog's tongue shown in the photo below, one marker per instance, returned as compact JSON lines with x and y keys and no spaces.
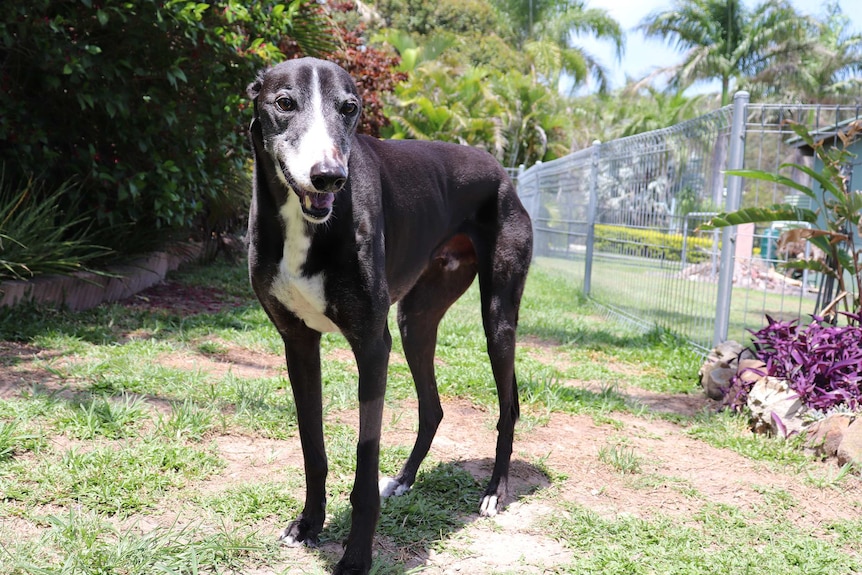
{"x":322,"y":201}
{"x":316,"y":201}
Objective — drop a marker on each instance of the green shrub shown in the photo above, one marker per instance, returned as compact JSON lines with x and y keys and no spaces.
{"x":141,"y":102}
{"x":39,"y":236}
{"x":652,"y":244}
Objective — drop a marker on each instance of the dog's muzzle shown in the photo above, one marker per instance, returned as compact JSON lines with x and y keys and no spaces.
{"x":327,"y":178}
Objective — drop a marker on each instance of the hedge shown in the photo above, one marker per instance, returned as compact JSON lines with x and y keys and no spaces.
{"x":651,"y":243}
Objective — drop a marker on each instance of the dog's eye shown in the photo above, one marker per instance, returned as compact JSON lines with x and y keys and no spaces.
{"x":286,"y":104}
{"x":349,"y":108}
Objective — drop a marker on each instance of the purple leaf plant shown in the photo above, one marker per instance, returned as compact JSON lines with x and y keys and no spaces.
{"x":821,"y":362}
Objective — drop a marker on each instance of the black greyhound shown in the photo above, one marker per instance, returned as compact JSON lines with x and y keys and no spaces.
{"x":342,"y":226}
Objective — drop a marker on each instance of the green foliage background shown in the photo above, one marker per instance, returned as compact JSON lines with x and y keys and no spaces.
{"x":140,"y":102}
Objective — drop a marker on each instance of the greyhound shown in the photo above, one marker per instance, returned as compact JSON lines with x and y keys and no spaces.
{"x":342,"y":226}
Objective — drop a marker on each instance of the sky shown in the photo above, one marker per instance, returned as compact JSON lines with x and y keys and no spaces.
{"x":642,"y":55}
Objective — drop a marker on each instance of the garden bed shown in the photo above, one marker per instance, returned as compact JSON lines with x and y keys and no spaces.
{"x":85,"y":290}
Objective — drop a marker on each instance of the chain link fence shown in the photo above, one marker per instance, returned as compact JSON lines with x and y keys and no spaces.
{"x":621,"y":218}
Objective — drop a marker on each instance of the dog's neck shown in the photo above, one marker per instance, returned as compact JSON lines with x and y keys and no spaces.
{"x":297,"y":234}
{"x":301,"y":293}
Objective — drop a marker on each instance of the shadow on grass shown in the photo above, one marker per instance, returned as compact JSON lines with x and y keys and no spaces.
{"x":443,"y":501}
{"x":594,"y":334}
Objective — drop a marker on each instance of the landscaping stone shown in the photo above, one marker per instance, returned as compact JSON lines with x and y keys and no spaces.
{"x":824,"y":436}
{"x":850,"y":448}
{"x":715,"y":379}
{"x":727,"y":351}
{"x":720,"y":366}
{"x":750,"y":370}
{"x":775,"y":408}
{"x":84,"y":290}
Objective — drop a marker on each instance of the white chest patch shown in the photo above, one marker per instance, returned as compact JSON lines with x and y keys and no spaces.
{"x":302,"y":295}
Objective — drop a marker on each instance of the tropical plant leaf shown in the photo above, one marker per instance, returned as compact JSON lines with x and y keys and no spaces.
{"x":775,"y":213}
{"x":825,"y":182}
{"x":774,"y":178}
{"x":810,"y":265}
{"x":801,"y":130}
{"x":851,"y":207}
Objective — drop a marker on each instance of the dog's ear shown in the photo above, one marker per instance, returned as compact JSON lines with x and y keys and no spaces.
{"x":256,"y":135}
{"x":253,"y":89}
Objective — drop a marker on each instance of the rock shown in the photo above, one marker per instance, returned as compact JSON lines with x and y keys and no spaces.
{"x":727,"y":352}
{"x":775,"y":408}
{"x":850,"y":448}
{"x":750,"y":370}
{"x":720,"y":366}
{"x":715,"y":379}
{"x":823,"y":437}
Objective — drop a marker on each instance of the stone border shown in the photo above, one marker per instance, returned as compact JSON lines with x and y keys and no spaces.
{"x":85,"y":290}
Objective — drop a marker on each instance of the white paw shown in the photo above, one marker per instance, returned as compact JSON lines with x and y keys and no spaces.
{"x":390,"y":488}
{"x":289,"y":540}
{"x":488,"y":506}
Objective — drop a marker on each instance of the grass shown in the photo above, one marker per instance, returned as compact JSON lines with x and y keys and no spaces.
{"x":718,"y":539}
{"x":652,"y":291}
{"x":621,"y":458}
{"x":111,"y":461}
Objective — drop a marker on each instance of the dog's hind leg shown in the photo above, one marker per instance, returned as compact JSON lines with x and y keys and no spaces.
{"x":504,"y":259}
{"x":419,"y":313}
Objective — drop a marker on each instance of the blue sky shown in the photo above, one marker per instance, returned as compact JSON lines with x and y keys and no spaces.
{"x":642,"y":56}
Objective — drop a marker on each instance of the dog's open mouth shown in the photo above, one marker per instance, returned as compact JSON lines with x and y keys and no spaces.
{"x":316,"y":206}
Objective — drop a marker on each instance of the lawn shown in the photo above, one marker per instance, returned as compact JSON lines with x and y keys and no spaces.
{"x":159,"y":436}
{"x":655,"y":292}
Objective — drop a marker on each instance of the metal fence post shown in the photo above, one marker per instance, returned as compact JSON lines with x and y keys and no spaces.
{"x":735,"y":161}
{"x":591,"y":215}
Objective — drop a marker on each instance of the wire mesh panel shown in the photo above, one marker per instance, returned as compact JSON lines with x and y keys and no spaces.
{"x":650,"y":264}
{"x":557,"y":195}
{"x":645,"y":260}
{"x":761,"y":285}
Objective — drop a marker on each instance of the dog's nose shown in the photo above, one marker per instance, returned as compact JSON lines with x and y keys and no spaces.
{"x":328,"y":176}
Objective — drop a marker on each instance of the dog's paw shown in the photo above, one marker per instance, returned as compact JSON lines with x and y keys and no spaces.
{"x":489,"y":506}
{"x":389,"y":487}
{"x":341,"y":569}
{"x":298,"y":534}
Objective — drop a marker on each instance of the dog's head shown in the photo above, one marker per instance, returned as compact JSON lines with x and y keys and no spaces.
{"x":306,"y":113}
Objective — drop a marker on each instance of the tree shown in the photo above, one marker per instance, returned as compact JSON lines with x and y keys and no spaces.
{"x":827,"y":72}
{"x":466,"y":84}
{"x":546,"y":29}
{"x":724,"y":40}
{"x":458,"y":32}
{"x":509,"y":115}
{"x":649,"y":109}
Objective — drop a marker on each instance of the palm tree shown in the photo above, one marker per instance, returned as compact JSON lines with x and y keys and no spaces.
{"x":828,"y":72}
{"x":437,"y":104}
{"x":652,"y":109}
{"x":545,"y":29}
{"x":724,"y":40}
{"x":514,"y":118}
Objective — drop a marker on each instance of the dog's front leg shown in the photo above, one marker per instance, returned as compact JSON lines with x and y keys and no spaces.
{"x":372,"y":357}
{"x":302,"y":349}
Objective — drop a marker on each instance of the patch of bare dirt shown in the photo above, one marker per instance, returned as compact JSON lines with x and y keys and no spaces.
{"x":253,"y":460}
{"x":184,"y":299}
{"x":241,"y":362}
{"x":21,"y":369}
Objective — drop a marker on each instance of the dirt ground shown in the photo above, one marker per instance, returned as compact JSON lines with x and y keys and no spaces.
{"x":684,"y":472}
